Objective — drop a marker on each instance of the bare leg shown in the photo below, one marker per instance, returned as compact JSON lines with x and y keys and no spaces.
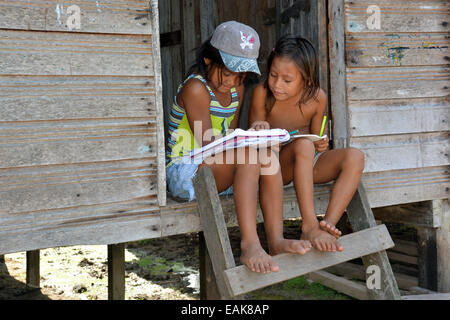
{"x":271,"y":201}
{"x":345,"y":165}
{"x":245,"y":178}
{"x":296,"y":161}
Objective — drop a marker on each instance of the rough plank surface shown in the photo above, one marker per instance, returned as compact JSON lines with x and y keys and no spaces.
{"x":124,"y":99}
{"x":338,"y":82}
{"x":405,"y":186}
{"x":81,"y":130}
{"x":406,"y":151}
{"x":112,"y":16}
{"x":398,"y":16}
{"x":59,"y":53}
{"x":355,"y":245}
{"x":214,"y":228}
{"x":386,"y":117}
{"x":398,"y":83}
{"x":160,"y":138}
{"x":396,"y":49}
{"x":351,"y":288}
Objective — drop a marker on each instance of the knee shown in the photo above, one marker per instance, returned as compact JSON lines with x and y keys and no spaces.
{"x":304,"y":148}
{"x":355,"y":159}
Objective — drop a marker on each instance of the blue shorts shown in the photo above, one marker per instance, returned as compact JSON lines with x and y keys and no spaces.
{"x":179,"y":181}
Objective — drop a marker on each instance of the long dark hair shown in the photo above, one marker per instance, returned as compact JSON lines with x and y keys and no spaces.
{"x":206,"y":50}
{"x":302,"y":52}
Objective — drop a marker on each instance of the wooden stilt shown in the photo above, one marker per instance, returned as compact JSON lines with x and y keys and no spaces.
{"x":208,"y":286}
{"x":361,"y":217}
{"x":214,"y":228}
{"x":116,"y":271}
{"x":33,"y":269}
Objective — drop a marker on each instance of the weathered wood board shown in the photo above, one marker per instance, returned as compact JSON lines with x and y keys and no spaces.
{"x":58,"y":53}
{"x":406,"y":151}
{"x":400,"y":116}
{"x":398,"y":83}
{"x":81,"y":123}
{"x":242,"y":280}
{"x":398,"y":16}
{"x":402,"y":49}
{"x":112,"y":16}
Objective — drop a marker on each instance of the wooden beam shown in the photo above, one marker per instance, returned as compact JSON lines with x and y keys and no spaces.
{"x":156,"y":51}
{"x":357,"y":244}
{"x":361,"y":217}
{"x":208,"y":284}
{"x":33,"y":269}
{"x":416,"y":214}
{"x":353,"y":271}
{"x":427,"y":258}
{"x":116,"y":271}
{"x":441,"y":208}
{"x":214,"y":228}
{"x":351,"y":288}
{"x":338,"y":87}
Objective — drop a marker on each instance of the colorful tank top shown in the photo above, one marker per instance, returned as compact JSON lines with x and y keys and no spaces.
{"x":181,"y":138}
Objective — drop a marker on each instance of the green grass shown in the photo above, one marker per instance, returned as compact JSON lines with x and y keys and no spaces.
{"x":297,"y":289}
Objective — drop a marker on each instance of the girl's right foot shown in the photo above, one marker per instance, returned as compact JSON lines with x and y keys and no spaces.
{"x":321,"y":240}
{"x":256,"y":259}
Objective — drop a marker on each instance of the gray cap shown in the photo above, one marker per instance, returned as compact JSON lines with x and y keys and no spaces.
{"x":238,"y":45}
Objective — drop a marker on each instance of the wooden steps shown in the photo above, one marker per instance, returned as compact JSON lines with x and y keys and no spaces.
{"x":369,"y":242}
{"x":241,"y":280}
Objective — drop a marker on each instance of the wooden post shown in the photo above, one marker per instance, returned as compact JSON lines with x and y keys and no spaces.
{"x":338,"y":83}
{"x":361,"y":217}
{"x":441,"y":207}
{"x":208,"y":286}
{"x":116,"y":271}
{"x":427,"y":258}
{"x":33,"y":269}
{"x":214,"y":228}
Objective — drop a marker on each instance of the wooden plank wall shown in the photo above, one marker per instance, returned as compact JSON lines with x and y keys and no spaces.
{"x":397,"y":89}
{"x":80,"y":123}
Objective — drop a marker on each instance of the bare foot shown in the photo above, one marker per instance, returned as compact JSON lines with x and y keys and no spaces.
{"x":256,"y":259}
{"x":331,"y":229}
{"x":321,"y":240}
{"x":289,"y":246}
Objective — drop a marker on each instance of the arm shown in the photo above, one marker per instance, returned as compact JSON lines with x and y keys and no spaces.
{"x":316,"y":121}
{"x":240,"y":91}
{"x":258,"y":114}
{"x":195,"y":100}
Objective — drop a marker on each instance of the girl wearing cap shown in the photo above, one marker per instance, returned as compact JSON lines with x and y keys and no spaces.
{"x":209,"y":102}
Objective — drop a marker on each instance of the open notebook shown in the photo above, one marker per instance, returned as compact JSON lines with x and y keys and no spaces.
{"x":237,"y":139}
{"x":244,"y":138}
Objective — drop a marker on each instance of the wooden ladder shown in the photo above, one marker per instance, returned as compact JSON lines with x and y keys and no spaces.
{"x":228,"y":281}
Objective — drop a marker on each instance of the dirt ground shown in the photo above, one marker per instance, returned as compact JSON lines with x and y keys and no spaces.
{"x":156,"y":269}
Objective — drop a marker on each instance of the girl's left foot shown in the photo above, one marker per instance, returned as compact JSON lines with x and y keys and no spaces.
{"x":290,"y":246}
{"x":331,"y":229}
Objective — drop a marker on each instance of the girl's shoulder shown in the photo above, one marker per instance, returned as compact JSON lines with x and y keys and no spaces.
{"x":193,"y":90}
{"x":321,"y":99}
{"x":318,"y":103}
